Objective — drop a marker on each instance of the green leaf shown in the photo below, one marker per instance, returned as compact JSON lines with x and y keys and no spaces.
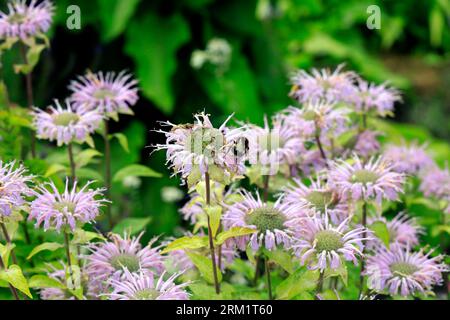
{"x":88,"y":173}
{"x":155,"y":54}
{"x":14,"y":276}
{"x":33,"y":54}
{"x":5,"y":252}
{"x":135,"y":170}
{"x":131,"y":226}
{"x":81,"y":236}
{"x":339,"y":272}
{"x":123,"y":141}
{"x":232,"y":233}
{"x":115,"y":15}
{"x":54,"y":169}
{"x":194,"y":242}
{"x":298,"y":282}
{"x":41,"y":281}
{"x":381,"y":231}
{"x":46,"y":246}
{"x":85,"y":157}
{"x":215,"y":214}
{"x":204,"y":265}
{"x":282,"y":258}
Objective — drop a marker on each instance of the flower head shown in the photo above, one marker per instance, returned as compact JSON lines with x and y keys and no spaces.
{"x":65,"y":125}
{"x":106,"y":93}
{"x":26,"y":20}
{"x":322,"y":85}
{"x":435,"y":182}
{"x":322,"y":245}
{"x":400,"y":271}
{"x":367,"y":144}
{"x":142,"y":286}
{"x":110,"y":259}
{"x":65,"y":209}
{"x":407,"y":159}
{"x":274,"y":223}
{"x":199,"y":148}
{"x":379,"y":98}
{"x":13,"y":187}
{"x":373,"y":179}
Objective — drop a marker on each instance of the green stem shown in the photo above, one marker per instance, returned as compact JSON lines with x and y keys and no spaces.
{"x":108,"y":172}
{"x":319,"y":284}
{"x":8,"y":240}
{"x":72,"y":162}
{"x":266,"y":188}
{"x":269,"y":280}
{"x":364,"y":223}
{"x":210,"y":236}
{"x":68,"y":256}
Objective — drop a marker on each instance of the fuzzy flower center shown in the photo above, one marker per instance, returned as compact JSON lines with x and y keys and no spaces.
{"x":328,"y":240}
{"x":65,"y":118}
{"x":403,"y":269}
{"x":125,"y":260}
{"x":104,"y":93}
{"x":266,"y":219}
{"x":17,"y":18}
{"x":146,"y":294}
{"x":321,"y":200}
{"x":204,"y":141}
{"x":309,"y":115}
{"x":364,"y":176}
{"x":270,"y":142}
{"x":65,"y":206}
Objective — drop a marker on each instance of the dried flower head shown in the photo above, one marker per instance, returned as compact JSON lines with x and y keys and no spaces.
{"x":26,"y":20}
{"x":65,"y":125}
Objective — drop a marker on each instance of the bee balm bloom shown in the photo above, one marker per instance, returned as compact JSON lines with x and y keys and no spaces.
{"x":408,"y":159}
{"x":105,"y":93}
{"x":13,"y":187}
{"x":65,"y":125}
{"x":26,"y":20}
{"x":55,"y":209}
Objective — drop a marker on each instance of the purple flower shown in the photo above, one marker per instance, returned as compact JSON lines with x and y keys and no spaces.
{"x":408,"y":159}
{"x":321,"y":245}
{"x":199,"y":148}
{"x":65,"y":125}
{"x":55,"y":209}
{"x":274,"y":223}
{"x":105,"y":93}
{"x":322,"y":85}
{"x":26,"y":20}
{"x":399,"y":271}
{"x":379,"y":98}
{"x":144,"y":287}
{"x":364,"y":181}
{"x":317,"y":198}
{"x":367,"y":144}
{"x":13,"y":187}
{"x":110,"y":259}
{"x":435,"y":182}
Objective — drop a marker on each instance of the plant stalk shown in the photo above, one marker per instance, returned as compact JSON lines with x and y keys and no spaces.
{"x":72,"y":162}
{"x":269,"y":280}
{"x":69,"y":259}
{"x":363,"y":263}
{"x":8,"y":240}
{"x":108,"y":182}
{"x":319,"y":284}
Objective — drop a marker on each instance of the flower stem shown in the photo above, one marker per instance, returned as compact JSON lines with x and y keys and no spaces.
{"x":8,"y":240}
{"x":257,"y":267}
{"x":108,"y":172}
{"x":29,"y":87}
{"x":269,"y":280}
{"x":72,"y":162}
{"x":319,"y":145}
{"x":364,"y":223}
{"x":69,"y":259}
{"x":266,"y":188}
{"x":320,"y":284}
{"x":13,"y":290}
{"x":210,"y":236}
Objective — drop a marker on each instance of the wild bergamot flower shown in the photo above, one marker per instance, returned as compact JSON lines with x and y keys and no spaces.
{"x":399,"y":271}
{"x":56,"y":209}
{"x":366,"y":180}
{"x":409,"y":159}
{"x":106,"y":93}
{"x":142,"y":286}
{"x":26,"y":20}
{"x":65,"y":125}
{"x":321,"y":245}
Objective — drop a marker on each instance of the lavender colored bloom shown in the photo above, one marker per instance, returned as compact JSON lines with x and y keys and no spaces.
{"x":435,"y":182}
{"x":65,"y":125}
{"x":379,"y":98}
{"x":317,"y":198}
{"x":26,"y":20}
{"x":321,"y":245}
{"x":364,"y":181}
{"x":367,"y":144}
{"x":312,"y":161}
{"x":143,"y":286}
{"x":322,"y":85}
{"x":399,"y":271}
{"x":408,"y":159}
{"x":274,"y":223}
{"x":110,"y":259}
{"x":13,"y":187}
{"x":64,"y":210}
{"x":106,"y":93}
{"x":199,"y":147}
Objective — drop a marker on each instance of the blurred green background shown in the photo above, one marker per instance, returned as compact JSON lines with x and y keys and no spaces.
{"x":155,"y":39}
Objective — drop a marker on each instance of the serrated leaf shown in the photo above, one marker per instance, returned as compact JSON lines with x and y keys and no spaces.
{"x":131,"y":226}
{"x":339,"y":272}
{"x":282,"y":258}
{"x":14,"y":276}
{"x":184,"y":243}
{"x":215,"y":214}
{"x":232,"y":233}
{"x":381,"y":231}
{"x":155,"y":54}
{"x":135,"y":170}
{"x":298,"y":282}
{"x":205,"y":266}
{"x":41,"y":281}
{"x":46,"y":246}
